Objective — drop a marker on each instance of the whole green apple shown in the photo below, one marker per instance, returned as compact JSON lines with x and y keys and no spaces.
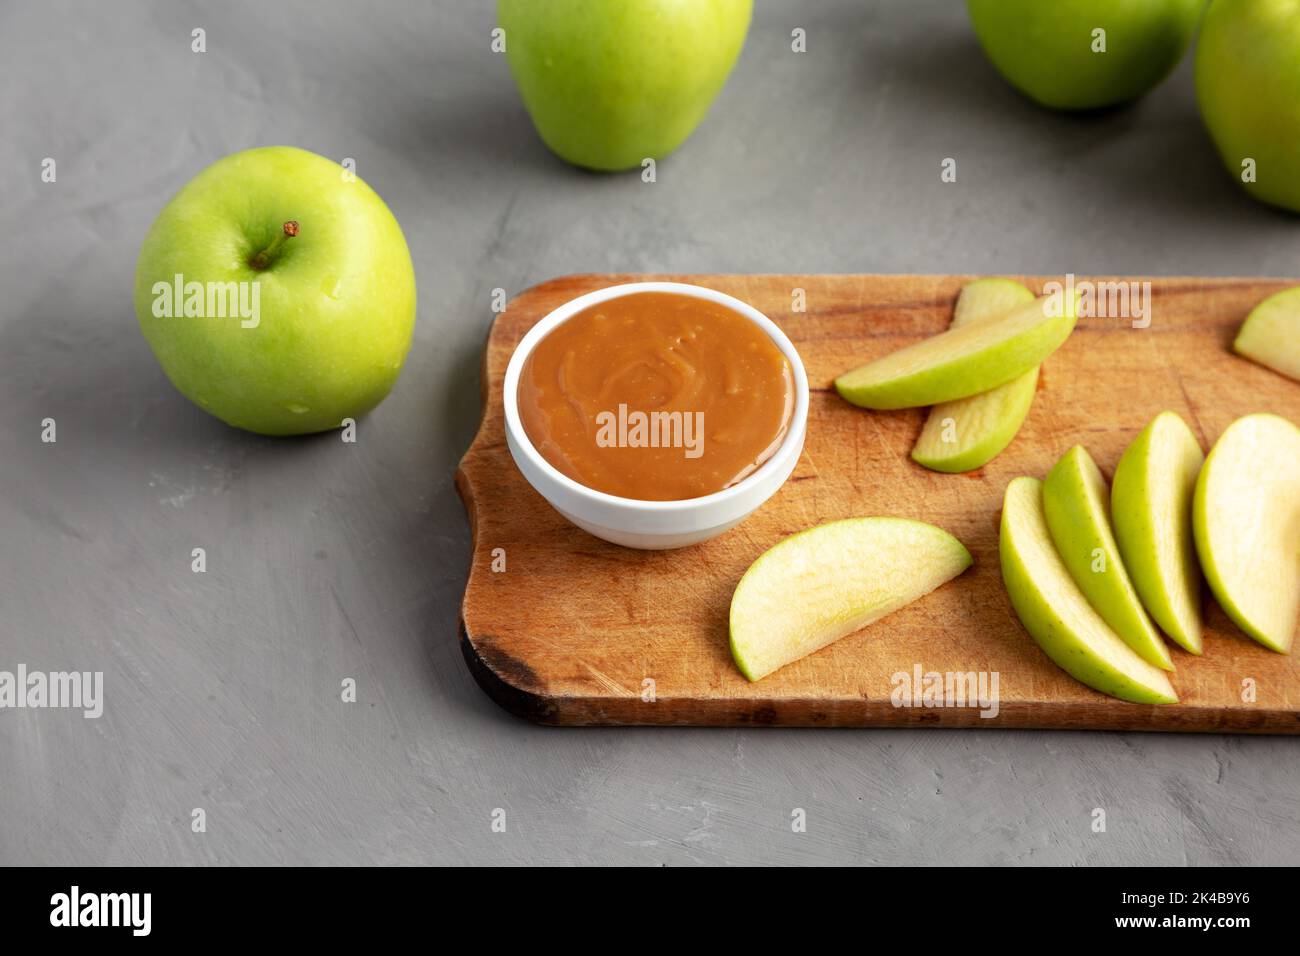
{"x":1248,"y":85}
{"x":1084,"y":54}
{"x":610,"y":83}
{"x":277,"y":292}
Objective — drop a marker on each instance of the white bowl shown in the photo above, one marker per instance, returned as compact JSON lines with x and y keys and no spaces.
{"x":654,"y":525}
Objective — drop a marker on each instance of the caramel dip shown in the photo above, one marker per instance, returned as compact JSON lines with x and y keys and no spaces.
{"x":656,"y":396}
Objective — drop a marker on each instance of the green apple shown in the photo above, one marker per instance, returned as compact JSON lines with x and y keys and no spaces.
{"x":963,"y":361}
{"x":1055,"y":612}
{"x":1076,"y":503}
{"x":1246,"y":518}
{"x":610,"y":83}
{"x":1151,"y":507}
{"x":967,"y":433}
{"x":1271,"y":334}
{"x":277,"y":292}
{"x":1248,"y":86}
{"x":821,"y":584}
{"x":1052,"y":50}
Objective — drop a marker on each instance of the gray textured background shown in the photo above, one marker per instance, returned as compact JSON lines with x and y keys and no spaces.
{"x":327,"y":561}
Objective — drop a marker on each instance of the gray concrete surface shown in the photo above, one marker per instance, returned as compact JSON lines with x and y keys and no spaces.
{"x":325,"y":561}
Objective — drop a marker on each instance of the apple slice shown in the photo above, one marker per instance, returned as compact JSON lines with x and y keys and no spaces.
{"x":963,"y":361}
{"x":821,"y":584}
{"x":1151,"y":507}
{"x":1057,"y":615}
{"x":967,"y":433}
{"x":1246,"y":518}
{"x":1076,"y":503}
{"x":1271,"y":334}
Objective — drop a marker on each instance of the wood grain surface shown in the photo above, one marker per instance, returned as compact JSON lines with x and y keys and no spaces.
{"x":578,"y":631}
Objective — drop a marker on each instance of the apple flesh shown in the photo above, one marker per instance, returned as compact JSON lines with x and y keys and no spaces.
{"x":963,"y":361}
{"x":967,"y":433}
{"x":335,"y":301}
{"x":1151,"y":507}
{"x":1246,"y":519}
{"x":609,"y":85}
{"x":1247,"y":75}
{"x":1271,"y":334}
{"x":1051,"y":52}
{"x":821,"y":584}
{"x":1056,"y":613}
{"x":1076,"y":503}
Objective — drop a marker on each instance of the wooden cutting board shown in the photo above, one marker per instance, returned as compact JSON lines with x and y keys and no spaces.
{"x":578,"y":631}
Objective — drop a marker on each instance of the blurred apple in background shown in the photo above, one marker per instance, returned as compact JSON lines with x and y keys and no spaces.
{"x":1248,"y":84}
{"x":277,"y":292}
{"x":609,"y":83}
{"x":1052,"y":50}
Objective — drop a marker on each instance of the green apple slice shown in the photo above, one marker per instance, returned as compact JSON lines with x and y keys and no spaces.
{"x":1246,"y":518}
{"x":1058,"y":616}
{"x":967,"y":433}
{"x":1151,"y":507}
{"x":963,"y":361}
{"x":1271,"y":334}
{"x":821,"y":584}
{"x":1076,"y":503}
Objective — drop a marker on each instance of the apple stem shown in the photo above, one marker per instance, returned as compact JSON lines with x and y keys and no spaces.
{"x":263,"y":259}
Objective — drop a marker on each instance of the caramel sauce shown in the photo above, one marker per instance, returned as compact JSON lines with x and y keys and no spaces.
{"x":656,"y":396}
